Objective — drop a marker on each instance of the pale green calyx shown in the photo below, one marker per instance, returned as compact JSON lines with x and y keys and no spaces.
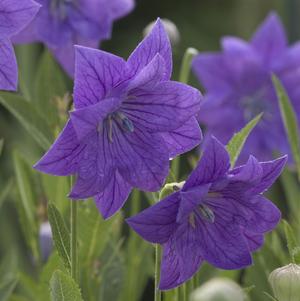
{"x":170,"y":188}
{"x":218,"y":289}
{"x":285,"y":282}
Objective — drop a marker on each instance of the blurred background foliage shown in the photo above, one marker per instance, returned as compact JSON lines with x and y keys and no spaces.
{"x":115,"y":264}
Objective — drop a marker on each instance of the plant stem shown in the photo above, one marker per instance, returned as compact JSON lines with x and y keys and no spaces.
{"x":184,"y":292}
{"x":157,"y":292}
{"x":74,"y":263}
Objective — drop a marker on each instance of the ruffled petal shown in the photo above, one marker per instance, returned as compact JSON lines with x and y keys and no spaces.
{"x":113,"y":196}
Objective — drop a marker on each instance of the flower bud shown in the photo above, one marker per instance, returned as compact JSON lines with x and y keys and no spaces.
{"x":171,"y":30}
{"x":218,"y":289}
{"x":285,"y":282}
{"x":170,"y":188}
{"x":45,"y":238}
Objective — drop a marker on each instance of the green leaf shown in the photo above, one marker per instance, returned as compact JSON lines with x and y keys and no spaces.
{"x":270,"y":297}
{"x":61,"y":235}
{"x":1,"y":145}
{"x":28,"y":116}
{"x":26,"y":203}
{"x":289,"y":120}
{"x":5,"y":190}
{"x":64,"y":288}
{"x":7,"y":287}
{"x":49,"y":84}
{"x":235,"y":145}
{"x":292,"y":243}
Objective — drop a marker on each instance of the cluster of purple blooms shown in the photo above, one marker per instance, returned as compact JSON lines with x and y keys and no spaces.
{"x":130,"y":119}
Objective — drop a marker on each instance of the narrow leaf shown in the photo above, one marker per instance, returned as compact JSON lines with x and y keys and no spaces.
{"x":270,"y":297}
{"x":289,"y":120}
{"x":7,"y":287}
{"x":1,"y":145}
{"x":291,"y":239}
{"x":236,"y":144}
{"x":64,"y":288}
{"x":61,"y":235}
{"x":27,"y":115}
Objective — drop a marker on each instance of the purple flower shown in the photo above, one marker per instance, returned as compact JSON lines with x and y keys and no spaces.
{"x":129,"y":120}
{"x":61,"y":24}
{"x":219,"y":216}
{"x":238,"y":87}
{"x":14,"y":16}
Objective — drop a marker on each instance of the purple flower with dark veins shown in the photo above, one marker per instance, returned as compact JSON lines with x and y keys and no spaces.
{"x":219,"y":216}
{"x":238,"y":87}
{"x":129,"y":120}
{"x":61,"y":24}
{"x":14,"y":16}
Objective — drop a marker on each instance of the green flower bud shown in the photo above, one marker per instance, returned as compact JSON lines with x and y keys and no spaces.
{"x":170,"y":188}
{"x":285,"y":282}
{"x":218,"y":289}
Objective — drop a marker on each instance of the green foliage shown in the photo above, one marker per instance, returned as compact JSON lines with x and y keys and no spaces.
{"x":292,"y":243}
{"x":64,"y":288}
{"x":27,"y":115}
{"x":7,"y":287}
{"x":235,"y":145}
{"x":61,"y":235}
{"x":290,"y":121}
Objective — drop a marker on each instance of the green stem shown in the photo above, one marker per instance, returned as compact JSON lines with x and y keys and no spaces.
{"x":74,"y":259}
{"x":184,"y":292}
{"x":157,"y":292}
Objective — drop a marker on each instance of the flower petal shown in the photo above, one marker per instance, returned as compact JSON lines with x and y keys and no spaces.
{"x":213,"y":165}
{"x":96,"y":73}
{"x":142,"y":158}
{"x":156,"y":42}
{"x":184,"y":138}
{"x":8,"y":68}
{"x":15,"y":15}
{"x":157,"y":223}
{"x":63,"y":157}
{"x":164,"y":108}
{"x":114,"y":195}
{"x":270,"y":39}
{"x":255,"y":240}
{"x":87,"y":119}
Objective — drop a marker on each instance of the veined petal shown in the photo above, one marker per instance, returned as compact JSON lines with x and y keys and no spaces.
{"x":149,"y":76}
{"x":156,"y":42}
{"x":63,"y":157}
{"x":213,"y":165}
{"x":270,"y":39}
{"x":15,"y":15}
{"x":157,"y":223}
{"x":87,"y":119}
{"x":96,"y":166}
{"x":113,"y":196}
{"x":255,"y":240}
{"x":142,"y":157}
{"x":168,"y":106}
{"x":184,"y":138}
{"x":8,"y":67}
{"x":96,"y":73}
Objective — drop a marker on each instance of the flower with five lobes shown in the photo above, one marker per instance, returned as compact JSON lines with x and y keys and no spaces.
{"x":14,"y":16}
{"x":129,"y":120}
{"x":219,"y":216}
{"x":60,"y":24}
{"x":239,"y":86}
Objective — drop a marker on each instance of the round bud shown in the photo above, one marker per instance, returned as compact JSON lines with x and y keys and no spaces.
{"x":285,"y":282}
{"x":218,"y":289}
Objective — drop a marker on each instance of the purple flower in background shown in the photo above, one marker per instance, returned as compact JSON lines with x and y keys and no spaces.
{"x":129,"y":120}
{"x":14,"y":16}
{"x":238,"y":87}
{"x":219,"y":216}
{"x":61,"y":24}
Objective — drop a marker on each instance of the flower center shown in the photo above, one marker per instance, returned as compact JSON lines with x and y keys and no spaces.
{"x":205,"y":213}
{"x":58,"y":8}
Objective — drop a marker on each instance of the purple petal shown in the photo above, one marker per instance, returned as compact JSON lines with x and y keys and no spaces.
{"x":114,"y":195}
{"x":213,"y":165}
{"x":96,"y":166}
{"x":222,"y":243}
{"x":87,"y":119}
{"x":270,"y":40}
{"x":184,"y":138}
{"x":96,"y":73}
{"x":149,"y":76}
{"x":271,"y":171}
{"x":157,"y":223}
{"x":8,"y":68}
{"x":156,"y":42}
{"x":142,"y":157}
{"x":63,"y":157}
{"x":255,"y":240}
{"x":168,"y":106}
{"x":120,"y":8}
{"x":15,"y":15}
